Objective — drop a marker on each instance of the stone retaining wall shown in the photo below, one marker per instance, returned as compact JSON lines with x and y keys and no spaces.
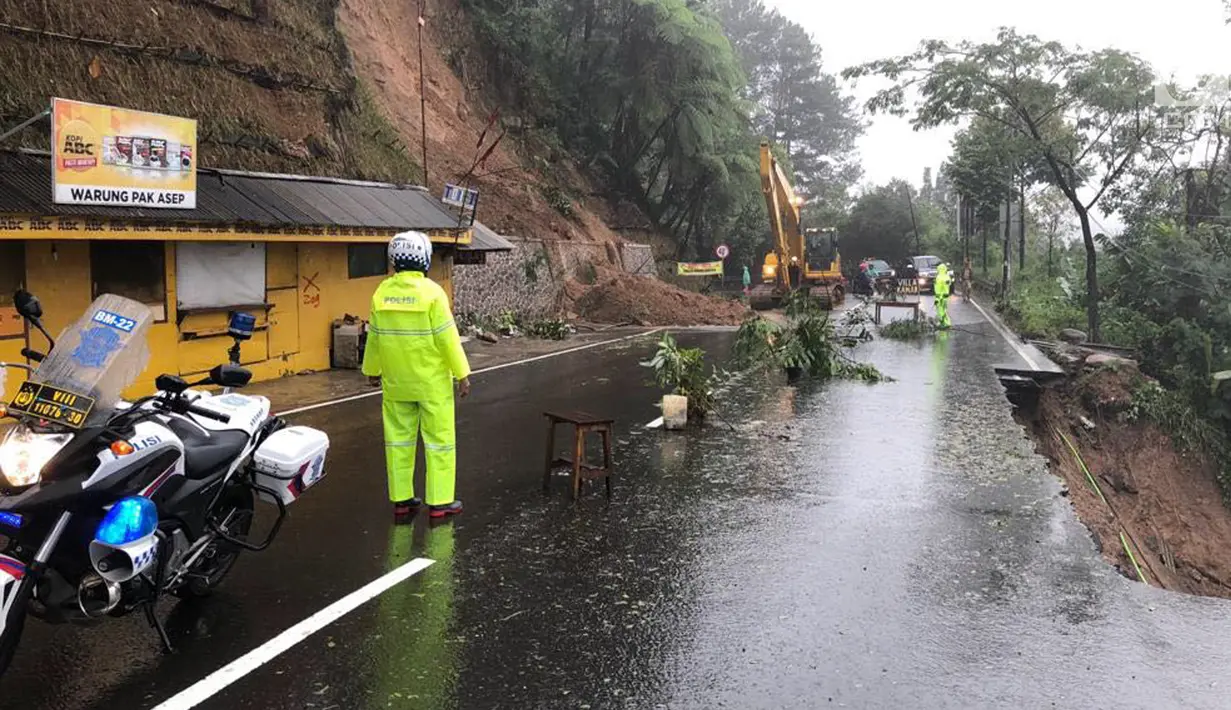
{"x":529,"y":280}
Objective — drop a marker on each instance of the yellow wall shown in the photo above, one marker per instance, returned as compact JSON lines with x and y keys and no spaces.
{"x":306,"y":283}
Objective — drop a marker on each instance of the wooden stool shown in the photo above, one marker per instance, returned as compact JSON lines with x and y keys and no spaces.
{"x":583,"y":424}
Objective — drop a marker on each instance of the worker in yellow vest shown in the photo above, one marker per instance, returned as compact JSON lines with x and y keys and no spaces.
{"x":415,"y":353}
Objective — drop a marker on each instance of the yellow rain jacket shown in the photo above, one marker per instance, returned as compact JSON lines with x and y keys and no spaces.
{"x":943,"y":280}
{"x":413,"y":344}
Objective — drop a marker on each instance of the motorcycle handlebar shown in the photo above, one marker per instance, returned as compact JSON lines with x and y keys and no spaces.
{"x":209,"y":414}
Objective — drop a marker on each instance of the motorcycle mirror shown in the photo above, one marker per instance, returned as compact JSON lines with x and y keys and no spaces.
{"x":27,"y":305}
{"x":171,"y":384}
{"x":230,"y":376}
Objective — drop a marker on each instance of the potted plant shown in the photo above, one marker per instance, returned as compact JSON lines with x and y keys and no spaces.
{"x":681,"y":371}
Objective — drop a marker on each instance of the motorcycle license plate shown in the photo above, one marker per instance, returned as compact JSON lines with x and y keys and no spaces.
{"x":52,"y":404}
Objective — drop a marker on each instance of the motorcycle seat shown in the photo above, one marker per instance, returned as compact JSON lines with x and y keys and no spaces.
{"x":204,"y":453}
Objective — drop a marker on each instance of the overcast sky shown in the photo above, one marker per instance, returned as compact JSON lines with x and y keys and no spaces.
{"x":1181,"y":37}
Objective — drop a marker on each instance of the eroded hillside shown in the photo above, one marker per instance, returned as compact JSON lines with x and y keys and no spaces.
{"x":301,"y":86}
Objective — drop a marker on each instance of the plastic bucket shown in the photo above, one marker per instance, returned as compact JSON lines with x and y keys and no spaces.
{"x":675,"y":411}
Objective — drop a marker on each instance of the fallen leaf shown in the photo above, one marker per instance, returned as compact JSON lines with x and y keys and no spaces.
{"x":96,"y":67}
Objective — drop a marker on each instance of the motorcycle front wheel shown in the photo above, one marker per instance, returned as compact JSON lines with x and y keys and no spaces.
{"x":234,"y":515}
{"x":15,"y":622}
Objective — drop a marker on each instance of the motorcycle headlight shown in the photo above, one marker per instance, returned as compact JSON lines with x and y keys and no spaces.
{"x":24,"y":454}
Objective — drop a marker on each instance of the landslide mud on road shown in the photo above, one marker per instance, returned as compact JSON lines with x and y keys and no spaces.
{"x":1165,"y":499}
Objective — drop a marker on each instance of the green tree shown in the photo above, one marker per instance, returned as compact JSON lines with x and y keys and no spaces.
{"x":796,"y":103}
{"x":1049,"y":216}
{"x":992,"y":166}
{"x":880,"y":224}
{"x":648,"y":91}
{"x":1103,"y":98}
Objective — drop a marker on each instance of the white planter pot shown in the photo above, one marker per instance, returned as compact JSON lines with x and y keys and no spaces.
{"x":675,"y":411}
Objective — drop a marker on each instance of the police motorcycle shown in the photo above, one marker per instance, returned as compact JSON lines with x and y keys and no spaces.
{"x":106,"y":505}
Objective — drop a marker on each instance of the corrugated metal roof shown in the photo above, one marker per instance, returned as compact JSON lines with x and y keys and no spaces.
{"x":232,"y":196}
{"x":484,"y":239}
{"x":342,"y":210}
{"x":374,"y":211}
{"x":265,"y":197}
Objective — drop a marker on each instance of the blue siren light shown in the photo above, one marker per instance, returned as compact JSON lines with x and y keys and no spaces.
{"x":128,"y":520}
{"x":241,"y":325}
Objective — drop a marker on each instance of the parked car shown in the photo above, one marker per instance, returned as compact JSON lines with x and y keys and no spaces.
{"x":925,"y":270}
{"x":886,"y":277}
{"x":883,"y":270}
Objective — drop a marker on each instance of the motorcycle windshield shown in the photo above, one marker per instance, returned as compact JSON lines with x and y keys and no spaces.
{"x":94,"y":360}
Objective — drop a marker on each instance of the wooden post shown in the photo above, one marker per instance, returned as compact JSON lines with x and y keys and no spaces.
{"x":423,"y":96}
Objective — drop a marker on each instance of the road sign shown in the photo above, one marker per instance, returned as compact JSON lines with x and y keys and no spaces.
{"x":723,"y":251}
{"x":463,"y":197}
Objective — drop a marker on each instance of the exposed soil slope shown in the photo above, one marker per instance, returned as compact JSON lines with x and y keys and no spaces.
{"x":268,"y":82}
{"x":617,"y":297}
{"x":327,"y":87}
{"x":382,"y":37}
{"x":1165,"y":500}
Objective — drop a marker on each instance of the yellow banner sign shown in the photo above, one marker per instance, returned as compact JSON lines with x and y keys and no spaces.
{"x":103,"y":155}
{"x":706,"y":268}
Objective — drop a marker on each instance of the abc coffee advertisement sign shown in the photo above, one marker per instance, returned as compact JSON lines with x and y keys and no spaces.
{"x":115,"y":157}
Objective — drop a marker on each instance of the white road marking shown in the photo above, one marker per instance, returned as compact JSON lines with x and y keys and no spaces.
{"x":493,"y":368}
{"x":1008,"y":338}
{"x":215,"y":682}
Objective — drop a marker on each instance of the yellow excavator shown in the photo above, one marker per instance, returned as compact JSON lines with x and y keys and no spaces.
{"x":787,"y":266}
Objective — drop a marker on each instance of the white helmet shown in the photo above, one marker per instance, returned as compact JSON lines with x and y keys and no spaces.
{"x":410,"y":251}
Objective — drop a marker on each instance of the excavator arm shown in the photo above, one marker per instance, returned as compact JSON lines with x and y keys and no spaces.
{"x":786,"y":266}
{"x":785,"y":209}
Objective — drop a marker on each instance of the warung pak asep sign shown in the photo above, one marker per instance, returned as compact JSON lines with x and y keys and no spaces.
{"x":102,"y":155}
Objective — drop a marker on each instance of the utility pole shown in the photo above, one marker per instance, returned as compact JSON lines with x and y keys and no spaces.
{"x":913,"y":225}
{"x":984,"y":230}
{"x":423,"y":96}
{"x":961,"y":235}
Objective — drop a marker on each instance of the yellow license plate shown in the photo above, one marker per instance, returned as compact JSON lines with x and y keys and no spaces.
{"x":52,"y":404}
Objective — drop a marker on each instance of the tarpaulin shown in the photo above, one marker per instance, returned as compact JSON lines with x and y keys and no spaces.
{"x":219,"y":274}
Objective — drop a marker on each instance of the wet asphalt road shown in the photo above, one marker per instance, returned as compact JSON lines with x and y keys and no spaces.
{"x":849,"y":545}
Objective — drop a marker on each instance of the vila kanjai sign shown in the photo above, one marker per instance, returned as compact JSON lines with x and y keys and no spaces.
{"x":115,"y":157}
{"x":705,"y":268}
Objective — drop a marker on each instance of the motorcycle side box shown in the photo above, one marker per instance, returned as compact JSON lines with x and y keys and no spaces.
{"x":289,"y":462}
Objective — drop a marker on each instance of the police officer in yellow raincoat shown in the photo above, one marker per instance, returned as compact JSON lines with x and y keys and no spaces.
{"x":941,"y":289}
{"x":413,"y":347}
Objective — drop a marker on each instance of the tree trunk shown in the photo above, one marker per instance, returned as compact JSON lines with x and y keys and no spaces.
{"x":1092,"y":293}
{"x":1021,"y":229}
{"x":1051,"y":240}
{"x":1008,"y":246}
